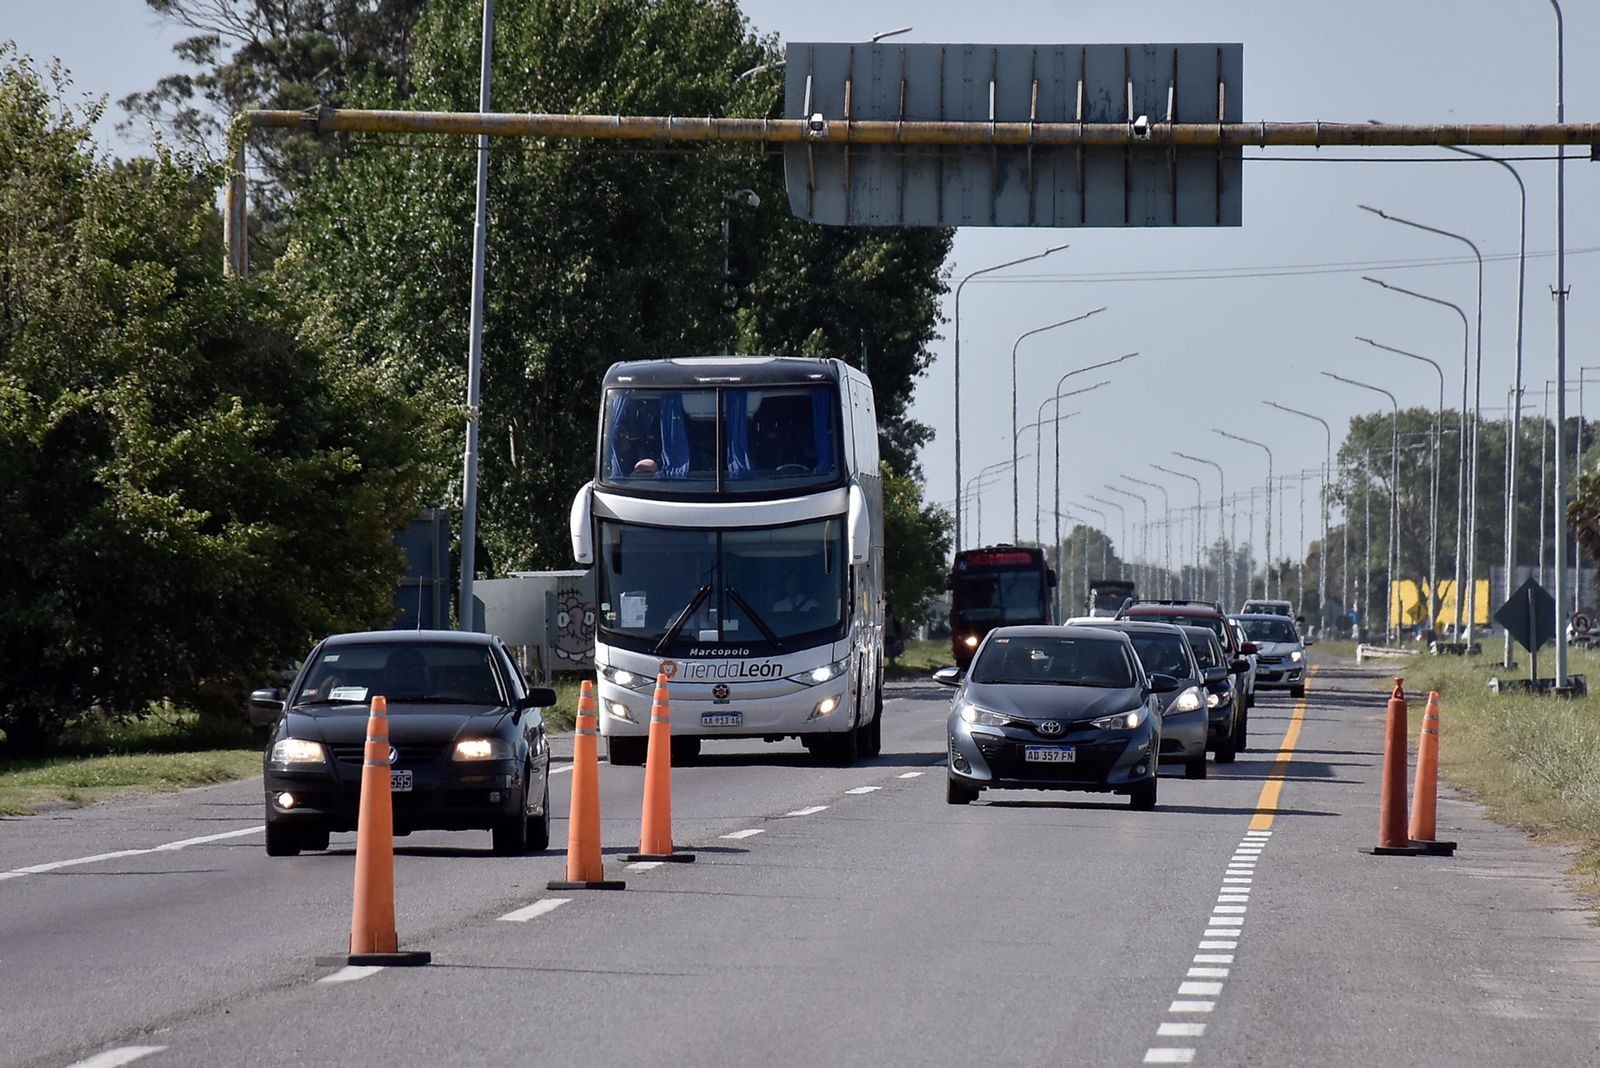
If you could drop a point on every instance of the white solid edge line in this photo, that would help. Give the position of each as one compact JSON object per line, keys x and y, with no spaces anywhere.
{"x":864,"y":790}
{"x":538,"y":908}
{"x":167,"y":847}
{"x":1172,"y":1029}
{"x":811,"y":811}
{"x":1160,"y":1055}
{"x":121,"y":1055}
{"x":351,"y":972}
{"x":910,"y":775}
{"x":562,"y":770}
{"x":1191,"y":1006}
{"x":751,"y":833}
{"x":1203,"y":989}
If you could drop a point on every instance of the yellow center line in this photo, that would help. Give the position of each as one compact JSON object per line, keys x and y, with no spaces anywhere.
{"x":1267,"y":803}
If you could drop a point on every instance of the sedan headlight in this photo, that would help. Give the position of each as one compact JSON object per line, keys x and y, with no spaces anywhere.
{"x":1216,"y":698}
{"x":970,"y":641}
{"x":983,"y":717}
{"x":1297,"y":656}
{"x":297,"y":751}
{"x":825,"y":673}
{"x":1188,"y":701}
{"x":1122,"y":721}
{"x":483,"y":749}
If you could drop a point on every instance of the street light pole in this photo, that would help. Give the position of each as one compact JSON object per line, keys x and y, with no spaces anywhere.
{"x":1477,"y":402}
{"x":1461,"y":443}
{"x":1105,"y":521}
{"x":1038,"y":452}
{"x":1016,"y":532}
{"x":1222,"y":499}
{"x":957,"y":397}
{"x":1060,"y":382}
{"x":1122,"y":551}
{"x":1144,"y":533}
{"x":1394,"y":492}
{"x":1327,"y":464}
{"x":1166,"y":529}
{"x":1265,"y":449}
{"x":1199,"y":524}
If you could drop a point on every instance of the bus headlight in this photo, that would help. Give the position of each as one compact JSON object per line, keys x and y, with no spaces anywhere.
{"x":825,"y":707}
{"x":825,"y":673}
{"x":619,"y":710}
{"x":626,"y":679}
{"x":970,"y":641}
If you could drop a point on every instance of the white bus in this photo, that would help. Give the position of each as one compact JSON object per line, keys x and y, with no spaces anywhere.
{"x":736,"y":525}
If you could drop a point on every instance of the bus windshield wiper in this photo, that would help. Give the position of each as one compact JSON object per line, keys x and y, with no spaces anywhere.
{"x":755,"y":617}
{"x":683,"y":617}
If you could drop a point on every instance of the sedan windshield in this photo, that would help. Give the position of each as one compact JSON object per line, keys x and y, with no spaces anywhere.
{"x":662,"y":588}
{"x":1270,"y":630}
{"x":1163,"y":654}
{"x":1205,"y":650}
{"x":1049,"y":661}
{"x":403,"y":673}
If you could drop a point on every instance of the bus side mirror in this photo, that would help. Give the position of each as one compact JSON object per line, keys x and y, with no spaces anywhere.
{"x":581,"y":528}
{"x":860,"y":527}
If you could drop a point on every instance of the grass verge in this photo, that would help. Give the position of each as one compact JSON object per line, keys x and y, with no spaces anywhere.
{"x":919,"y":659}
{"x":1534,"y":761}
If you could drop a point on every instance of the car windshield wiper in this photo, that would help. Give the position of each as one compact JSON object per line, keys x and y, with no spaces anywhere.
{"x":755,"y":617}
{"x":326,"y":701}
{"x":683,"y":617}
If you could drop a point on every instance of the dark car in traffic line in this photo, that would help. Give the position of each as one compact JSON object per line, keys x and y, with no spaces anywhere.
{"x":1055,"y":708}
{"x":467,"y":744}
{"x":1221,"y":692}
{"x":1209,"y":614}
{"x":1165,"y":649}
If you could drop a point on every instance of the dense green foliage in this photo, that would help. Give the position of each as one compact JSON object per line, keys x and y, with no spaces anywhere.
{"x":197,"y":479}
{"x":917,"y":541}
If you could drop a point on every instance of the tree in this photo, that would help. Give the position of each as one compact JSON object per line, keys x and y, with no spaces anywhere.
{"x":198,"y":478}
{"x":917,"y":538}
{"x":596,"y":253}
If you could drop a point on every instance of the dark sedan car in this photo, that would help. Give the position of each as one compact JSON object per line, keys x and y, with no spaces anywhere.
{"x":1165,"y":649}
{"x":1055,"y":708}
{"x":466,"y":740}
{"x":1221,"y":693}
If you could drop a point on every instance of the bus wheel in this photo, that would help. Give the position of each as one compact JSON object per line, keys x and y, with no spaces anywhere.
{"x":842,"y":749}
{"x":625,"y":751}
{"x":685,"y":750}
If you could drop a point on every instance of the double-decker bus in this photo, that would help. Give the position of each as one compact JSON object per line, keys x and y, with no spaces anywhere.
{"x":996,"y":586}
{"x":735,"y":522}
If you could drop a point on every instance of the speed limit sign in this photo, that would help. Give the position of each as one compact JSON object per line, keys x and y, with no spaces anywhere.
{"x":1580,"y":623}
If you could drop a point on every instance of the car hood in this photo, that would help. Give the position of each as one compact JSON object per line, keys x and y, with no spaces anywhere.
{"x":1052,"y":702}
{"x":408,"y":724}
{"x":1276,"y":648}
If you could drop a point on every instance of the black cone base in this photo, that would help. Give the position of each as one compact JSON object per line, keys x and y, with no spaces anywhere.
{"x":590,"y":884}
{"x":409,"y":959}
{"x":667,"y":858}
{"x":1435,"y":848}
{"x":1394,"y":851}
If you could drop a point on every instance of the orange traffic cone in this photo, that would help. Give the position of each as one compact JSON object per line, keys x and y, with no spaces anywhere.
{"x":1392,"y":837}
{"x":372,"y":935}
{"x":655,"y":833}
{"x":1425,"y":794}
{"x":585,"y":869}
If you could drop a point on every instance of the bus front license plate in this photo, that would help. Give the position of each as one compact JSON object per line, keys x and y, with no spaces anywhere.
{"x":1050,"y":754}
{"x":400,"y":781}
{"x":722,"y":719}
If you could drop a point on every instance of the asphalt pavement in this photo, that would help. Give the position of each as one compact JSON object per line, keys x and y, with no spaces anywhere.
{"x":841,"y":916}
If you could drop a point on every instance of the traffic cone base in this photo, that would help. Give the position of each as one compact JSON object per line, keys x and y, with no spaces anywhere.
{"x":403,"y":959}
{"x":585,"y":869}
{"x":1393,"y":841}
{"x":675,"y":857}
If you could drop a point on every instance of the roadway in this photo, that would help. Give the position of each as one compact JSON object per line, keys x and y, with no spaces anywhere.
{"x":834,"y":916}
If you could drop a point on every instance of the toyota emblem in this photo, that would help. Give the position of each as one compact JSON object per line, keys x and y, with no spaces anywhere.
{"x":1050,"y":728}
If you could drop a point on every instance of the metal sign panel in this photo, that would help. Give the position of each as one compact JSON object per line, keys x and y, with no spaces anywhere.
{"x":1027,"y":185}
{"x":1529,"y":616}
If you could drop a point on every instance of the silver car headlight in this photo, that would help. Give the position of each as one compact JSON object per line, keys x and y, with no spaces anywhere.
{"x":825,"y":673}
{"x":482,"y":749}
{"x":982,"y":716}
{"x":1188,"y":701}
{"x":298,"y":751}
{"x":1297,"y":656}
{"x":1122,"y":721}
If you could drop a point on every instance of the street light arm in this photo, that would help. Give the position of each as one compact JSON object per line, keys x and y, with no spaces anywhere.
{"x":1041,"y":329}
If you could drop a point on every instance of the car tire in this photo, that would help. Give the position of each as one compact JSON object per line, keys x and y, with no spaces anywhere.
{"x":685,"y":750}
{"x":539,"y":826}
{"x":1241,"y":733}
{"x":627,"y":752}
{"x":282,"y":840}
{"x":314,"y":841}
{"x":1143,"y":796}
{"x":509,"y":835}
{"x":1195,"y":767}
{"x":1297,"y":691}
{"x":1226,"y":753}
{"x":956,"y":793}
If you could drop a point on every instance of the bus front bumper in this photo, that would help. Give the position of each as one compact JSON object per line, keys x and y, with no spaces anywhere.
{"x":813,"y":710}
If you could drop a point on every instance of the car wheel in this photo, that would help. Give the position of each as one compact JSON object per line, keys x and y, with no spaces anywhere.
{"x":956,"y":793}
{"x":685,"y":750}
{"x":1225,"y":752}
{"x":1195,"y":767}
{"x":282,"y":840}
{"x":539,"y":826}
{"x":1297,"y":691}
{"x":628,"y":752}
{"x":1143,"y":796}
{"x":1241,"y":733}
{"x":315,"y":841}
{"x":510,"y":834}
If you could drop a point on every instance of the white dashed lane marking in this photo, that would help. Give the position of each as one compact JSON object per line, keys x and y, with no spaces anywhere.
{"x":538,"y":908}
{"x":112,"y":1058}
{"x":645,"y":865}
{"x":910,"y":775}
{"x":1157,"y":1055}
{"x":168,"y":847}
{"x":864,"y":790}
{"x":745,"y":834}
{"x":811,"y":811}
{"x":351,"y":973}
{"x":562,"y":770}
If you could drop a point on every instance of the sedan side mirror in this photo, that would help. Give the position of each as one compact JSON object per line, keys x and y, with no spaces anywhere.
{"x":1216,"y":674}
{"x":1309,"y":642}
{"x":950,"y":676}
{"x":1248,"y":648}
{"x":1239,"y":667}
{"x":1160,"y":683}
{"x":269,"y":699}
{"x":539,"y":697}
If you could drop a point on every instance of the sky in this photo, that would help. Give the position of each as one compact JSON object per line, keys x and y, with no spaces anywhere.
{"x":1222,"y":319}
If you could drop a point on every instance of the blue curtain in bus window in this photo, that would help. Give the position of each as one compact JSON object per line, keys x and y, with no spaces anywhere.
{"x":619,"y":411}
{"x":674,"y":437}
{"x":822,"y":430}
{"x":737,"y":428}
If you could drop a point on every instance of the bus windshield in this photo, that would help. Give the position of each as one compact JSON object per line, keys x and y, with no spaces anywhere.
{"x":664,"y":590}
{"x":1000,"y":597}
{"x":724,"y":439}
